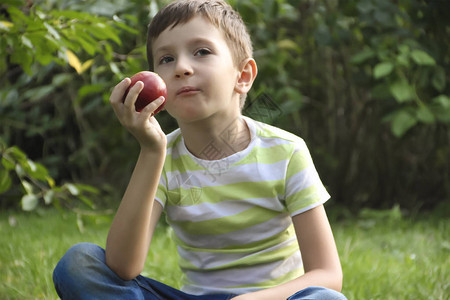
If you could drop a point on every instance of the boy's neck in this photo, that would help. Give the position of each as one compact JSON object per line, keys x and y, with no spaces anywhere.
{"x":216,"y":141}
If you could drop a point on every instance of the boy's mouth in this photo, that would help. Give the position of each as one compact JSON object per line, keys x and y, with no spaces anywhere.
{"x":187,"y":90}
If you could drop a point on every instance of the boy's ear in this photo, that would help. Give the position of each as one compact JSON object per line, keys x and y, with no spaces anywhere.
{"x":247,"y":76}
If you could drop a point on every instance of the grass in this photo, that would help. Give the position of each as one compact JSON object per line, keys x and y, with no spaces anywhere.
{"x":383,"y":256}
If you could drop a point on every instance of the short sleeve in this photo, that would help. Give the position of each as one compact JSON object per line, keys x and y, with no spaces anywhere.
{"x":303,"y":188}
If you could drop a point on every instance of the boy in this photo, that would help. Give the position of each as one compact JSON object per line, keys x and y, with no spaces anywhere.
{"x":240,"y":195}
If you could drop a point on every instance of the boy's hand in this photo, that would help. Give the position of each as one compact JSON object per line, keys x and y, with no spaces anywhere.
{"x":142,"y":125}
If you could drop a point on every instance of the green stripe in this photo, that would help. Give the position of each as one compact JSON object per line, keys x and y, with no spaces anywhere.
{"x":183,"y":164}
{"x":229,"y":192}
{"x":249,"y":217}
{"x":250,"y":247}
{"x":264,"y":156}
{"x":173,"y":143}
{"x":250,"y":259}
{"x":267,"y":156}
{"x":265,"y":243}
{"x":303,"y":198}
{"x":300,"y":160}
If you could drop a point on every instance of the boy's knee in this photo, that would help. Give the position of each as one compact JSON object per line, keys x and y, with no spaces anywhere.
{"x":77,"y":262}
{"x":318,"y":293}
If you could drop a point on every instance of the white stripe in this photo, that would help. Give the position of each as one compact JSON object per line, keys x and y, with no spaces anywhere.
{"x":302,"y":180}
{"x":244,"y":275}
{"x":210,"y":260}
{"x":235,"y":174}
{"x":244,"y":236}
{"x":210,"y":211}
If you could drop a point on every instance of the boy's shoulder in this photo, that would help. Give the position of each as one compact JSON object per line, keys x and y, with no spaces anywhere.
{"x":266,"y":131}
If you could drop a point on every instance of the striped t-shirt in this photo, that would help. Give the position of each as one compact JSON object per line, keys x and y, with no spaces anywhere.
{"x":232,"y":217}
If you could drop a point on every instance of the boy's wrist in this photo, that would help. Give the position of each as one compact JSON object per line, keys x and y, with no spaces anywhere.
{"x":155,"y":150}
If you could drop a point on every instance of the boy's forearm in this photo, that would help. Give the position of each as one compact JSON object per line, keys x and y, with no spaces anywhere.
{"x":131,"y":231}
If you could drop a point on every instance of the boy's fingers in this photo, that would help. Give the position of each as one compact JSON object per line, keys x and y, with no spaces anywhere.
{"x":119,"y":90}
{"x":150,"y":108}
{"x":133,"y":93}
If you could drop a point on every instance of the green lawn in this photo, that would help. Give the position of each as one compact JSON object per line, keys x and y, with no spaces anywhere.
{"x":383,"y":256}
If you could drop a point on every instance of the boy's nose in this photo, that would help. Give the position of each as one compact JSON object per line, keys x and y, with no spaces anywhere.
{"x":181,"y":74}
{"x":182,"y":68}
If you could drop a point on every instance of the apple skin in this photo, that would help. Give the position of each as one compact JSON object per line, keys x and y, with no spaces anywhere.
{"x":154,"y":87}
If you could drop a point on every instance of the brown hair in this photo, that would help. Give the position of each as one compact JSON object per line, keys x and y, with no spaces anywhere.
{"x":218,"y":12}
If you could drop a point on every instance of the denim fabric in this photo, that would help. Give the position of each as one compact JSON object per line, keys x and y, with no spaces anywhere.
{"x":82,"y":273}
{"x":317,"y":293}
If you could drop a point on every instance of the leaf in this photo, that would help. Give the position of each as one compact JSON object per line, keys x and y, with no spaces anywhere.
{"x":125,"y":27}
{"x":73,"y":61}
{"x":107,"y":32}
{"x":86,"y":65}
{"x":402,"y":122}
{"x":287,"y":44}
{"x":76,"y":64}
{"x":61,"y":79}
{"x":73,"y":190}
{"x":18,"y":154}
{"x":86,"y":41}
{"x":7,"y":163}
{"x":402,"y":91}
{"x":50,"y":181}
{"x":36,"y":94}
{"x":382,"y":69}
{"x":32,"y":166}
{"x":52,"y":31}
{"x":29,"y":202}
{"x":24,"y":58}
{"x":439,"y":80}
{"x":425,"y":115}
{"x":5,"y":181}
{"x":48,"y":196}
{"x":422,"y":58}
{"x":115,"y":69}
{"x":362,"y":56}
{"x":39,"y":172}
{"x":19,"y":171}
{"x":89,"y":89}
{"x":441,"y":108}
{"x":86,"y":201}
{"x":5,"y":25}
{"x":442,"y":100}
{"x":27,"y":187}
{"x":87,"y":188}
{"x":26,"y":41}
{"x":80,"y":223}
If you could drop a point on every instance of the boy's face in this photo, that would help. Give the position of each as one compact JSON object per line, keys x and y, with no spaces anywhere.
{"x":197,"y":65}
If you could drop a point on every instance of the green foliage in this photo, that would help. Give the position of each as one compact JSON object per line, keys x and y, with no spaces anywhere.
{"x":366,"y":84}
{"x":58,"y":116}
{"x":29,"y":183}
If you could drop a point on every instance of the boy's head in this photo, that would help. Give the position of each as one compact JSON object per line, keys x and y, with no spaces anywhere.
{"x":218,"y":12}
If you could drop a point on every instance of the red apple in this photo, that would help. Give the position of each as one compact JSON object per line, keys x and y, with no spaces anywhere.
{"x":154,"y":87}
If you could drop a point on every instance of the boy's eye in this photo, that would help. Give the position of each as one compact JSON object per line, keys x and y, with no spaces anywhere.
{"x":202,"y":52}
{"x":165,"y":60}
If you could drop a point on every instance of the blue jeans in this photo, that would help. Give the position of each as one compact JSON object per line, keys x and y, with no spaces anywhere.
{"x":82,"y":273}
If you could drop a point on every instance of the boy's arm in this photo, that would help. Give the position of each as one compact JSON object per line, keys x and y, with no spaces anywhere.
{"x":136,"y":218}
{"x":319,"y":255}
